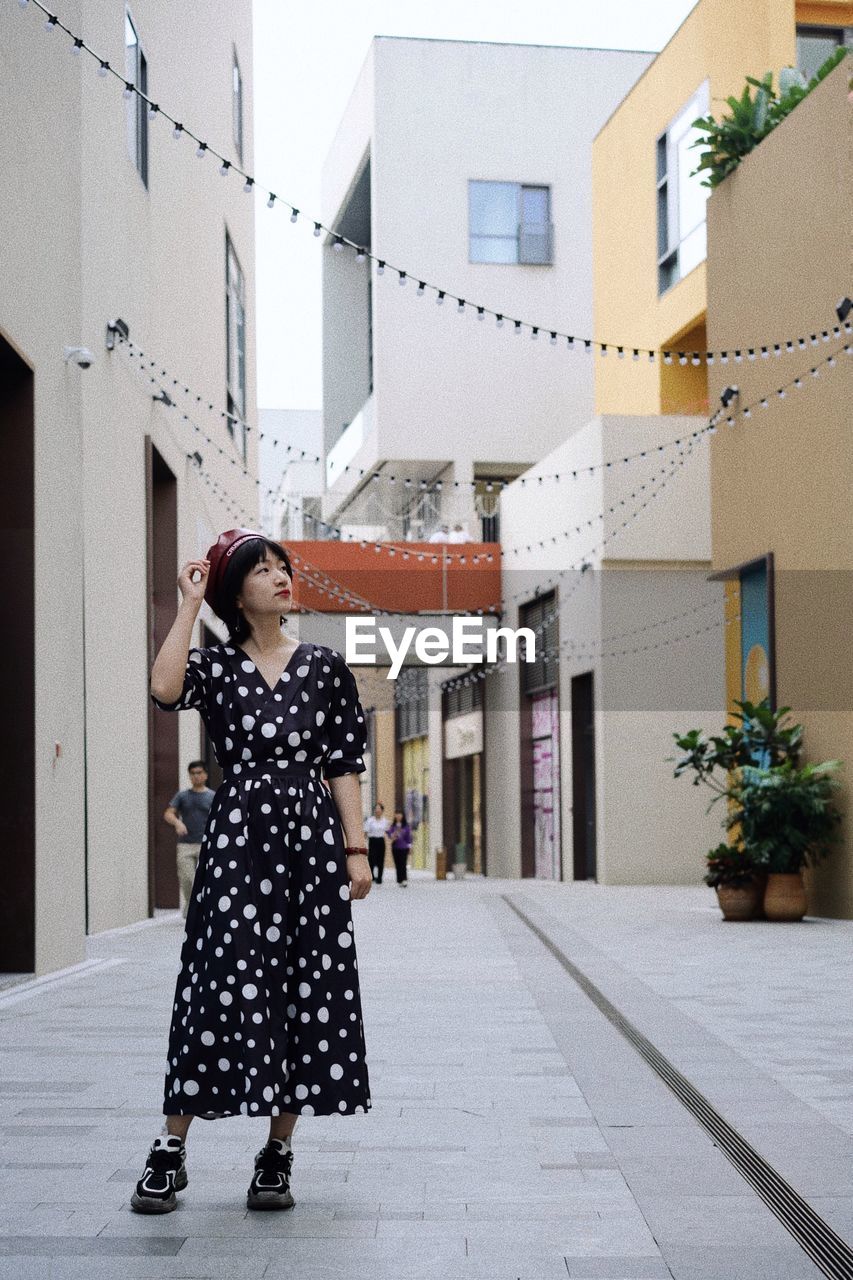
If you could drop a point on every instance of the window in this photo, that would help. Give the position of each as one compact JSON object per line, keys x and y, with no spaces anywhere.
{"x":237,"y":106}
{"x":816,"y":44}
{"x":540,"y":616}
{"x":412,"y":704}
{"x":235,"y":345}
{"x":464,"y":698}
{"x":681,"y":197}
{"x":136,"y":72}
{"x":509,"y":223}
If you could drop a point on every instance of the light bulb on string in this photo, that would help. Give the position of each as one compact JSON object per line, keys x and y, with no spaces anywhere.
{"x":51,"y":22}
{"x":178,"y":130}
{"x":127,"y":91}
{"x":338,"y":245}
{"x":317,"y":228}
{"x":103,"y":69}
{"x":421,"y":289}
{"x":248,"y":186}
{"x":271,"y":200}
{"x":201,"y":150}
{"x":224,"y":167}
{"x":77,"y":46}
{"x":152,"y":110}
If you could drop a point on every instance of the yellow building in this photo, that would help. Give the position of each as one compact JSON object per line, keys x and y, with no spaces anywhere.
{"x":764,"y":258}
{"x":782,"y":478}
{"x":649,"y":225}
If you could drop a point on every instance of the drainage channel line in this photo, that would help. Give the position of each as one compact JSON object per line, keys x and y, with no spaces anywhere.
{"x":815,"y":1236}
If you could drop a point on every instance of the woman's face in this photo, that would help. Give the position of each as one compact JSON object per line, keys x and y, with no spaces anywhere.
{"x":267,"y":587}
{"x":398,"y":816}
{"x":378,"y":811}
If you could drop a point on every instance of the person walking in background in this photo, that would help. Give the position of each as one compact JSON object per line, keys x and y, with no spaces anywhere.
{"x":375,"y":828}
{"x":400,"y":835}
{"x":187,"y":812}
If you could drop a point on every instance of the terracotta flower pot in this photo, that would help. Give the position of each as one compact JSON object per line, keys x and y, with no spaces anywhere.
{"x":739,"y":901}
{"x":785,"y":897}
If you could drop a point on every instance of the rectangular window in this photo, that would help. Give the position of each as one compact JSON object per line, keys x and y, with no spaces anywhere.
{"x":235,"y":345}
{"x":540,"y":616}
{"x":816,"y":44}
{"x":136,"y":72}
{"x":509,"y":222}
{"x":681,"y":198}
{"x":463,"y":698}
{"x":412,"y":704}
{"x":237,"y":106}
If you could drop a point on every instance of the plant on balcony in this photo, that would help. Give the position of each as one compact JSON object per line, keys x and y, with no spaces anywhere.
{"x":752,"y":117}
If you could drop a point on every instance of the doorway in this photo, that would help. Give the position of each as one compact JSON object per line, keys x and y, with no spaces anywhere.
{"x":163,"y":765}
{"x":583,"y":777}
{"x":17,"y":742}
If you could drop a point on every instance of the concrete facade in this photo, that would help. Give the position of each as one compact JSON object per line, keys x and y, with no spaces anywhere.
{"x":791,"y":466}
{"x":442,"y":392}
{"x":85,"y":242}
{"x":631,"y":621}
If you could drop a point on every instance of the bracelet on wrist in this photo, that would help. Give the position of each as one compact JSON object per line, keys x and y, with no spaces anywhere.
{"x":355,"y":848}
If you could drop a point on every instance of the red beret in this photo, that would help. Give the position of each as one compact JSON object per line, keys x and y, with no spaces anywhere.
{"x":219,"y":556}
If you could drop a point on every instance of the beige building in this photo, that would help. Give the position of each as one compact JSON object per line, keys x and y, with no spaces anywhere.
{"x":628,"y":651}
{"x":782,"y":479}
{"x":106,"y":489}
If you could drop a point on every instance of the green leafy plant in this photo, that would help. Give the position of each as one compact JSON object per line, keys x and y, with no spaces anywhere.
{"x":786,"y":816}
{"x":780,"y":813}
{"x":730,"y":865}
{"x":752,"y":116}
{"x":757,"y":735}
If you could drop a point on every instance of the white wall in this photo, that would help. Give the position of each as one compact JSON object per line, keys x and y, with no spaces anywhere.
{"x":650,"y":827}
{"x":84,"y":243}
{"x":448,"y":387}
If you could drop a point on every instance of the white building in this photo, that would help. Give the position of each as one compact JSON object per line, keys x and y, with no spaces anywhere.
{"x":468,"y":166}
{"x":290,"y":467}
{"x":628,"y":652}
{"x":106,"y":489}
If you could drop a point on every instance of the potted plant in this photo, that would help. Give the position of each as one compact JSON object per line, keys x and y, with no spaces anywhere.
{"x":787,"y":818}
{"x":752,"y":117}
{"x":739,"y":882}
{"x":755,"y":735}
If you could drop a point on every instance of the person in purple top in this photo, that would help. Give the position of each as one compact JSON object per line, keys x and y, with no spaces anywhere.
{"x":400,"y":835}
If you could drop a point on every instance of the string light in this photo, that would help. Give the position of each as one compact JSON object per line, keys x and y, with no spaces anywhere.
{"x":104,"y":68}
{"x":523,"y":480}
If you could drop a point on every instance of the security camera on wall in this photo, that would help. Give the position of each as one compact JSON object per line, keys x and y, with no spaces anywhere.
{"x":81,"y":356}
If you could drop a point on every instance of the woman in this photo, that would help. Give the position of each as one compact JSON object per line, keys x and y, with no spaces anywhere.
{"x":375,"y":828}
{"x":400,"y":835}
{"x":267,"y":1013}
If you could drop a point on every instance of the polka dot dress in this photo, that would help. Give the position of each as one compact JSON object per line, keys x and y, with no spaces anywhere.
{"x":267,"y":1015}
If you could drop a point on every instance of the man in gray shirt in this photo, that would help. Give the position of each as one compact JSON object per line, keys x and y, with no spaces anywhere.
{"x":188,"y":812}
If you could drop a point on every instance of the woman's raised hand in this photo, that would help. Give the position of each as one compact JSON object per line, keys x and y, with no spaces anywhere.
{"x":192,"y":589}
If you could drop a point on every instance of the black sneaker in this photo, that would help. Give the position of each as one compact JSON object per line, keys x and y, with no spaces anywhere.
{"x":270,"y":1186}
{"x":165,"y":1173}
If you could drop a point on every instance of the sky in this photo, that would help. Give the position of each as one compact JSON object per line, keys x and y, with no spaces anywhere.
{"x":307,"y":57}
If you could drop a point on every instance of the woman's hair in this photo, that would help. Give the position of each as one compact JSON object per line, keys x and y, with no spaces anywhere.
{"x":379,"y":805}
{"x":244,"y":559}
{"x":402,"y":813}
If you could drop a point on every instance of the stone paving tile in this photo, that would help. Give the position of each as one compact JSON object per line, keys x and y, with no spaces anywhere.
{"x":513,"y":1133}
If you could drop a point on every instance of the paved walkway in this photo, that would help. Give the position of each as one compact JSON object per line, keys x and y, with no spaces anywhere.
{"x":514,"y":1132}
